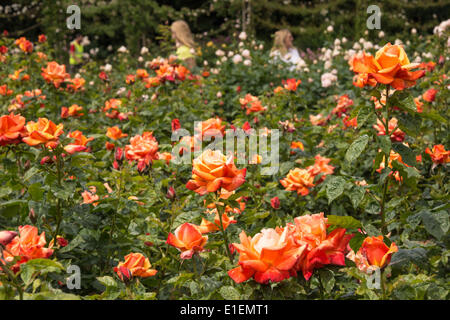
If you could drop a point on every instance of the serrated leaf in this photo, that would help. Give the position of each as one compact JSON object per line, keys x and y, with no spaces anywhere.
{"x":356,"y":241}
{"x":335,"y":187}
{"x":403,"y":257}
{"x":345,"y":222}
{"x":355,"y":149}
{"x":229,"y":293}
{"x":408,"y":156}
{"x":107,"y":281}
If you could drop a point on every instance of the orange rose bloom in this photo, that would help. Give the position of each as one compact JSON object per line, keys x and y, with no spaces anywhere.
{"x":166,"y":156}
{"x":321,"y":249}
{"x":321,"y":166}
{"x":208,"y":226}
{"x":142,"y":149}
{"x":28,"y":246}
{"x":389,"y":66}
{"x":377,"y":252}
{"x":43,"y":131}
{"x":343,"y":104}
{"x":396,"y":136}
{"x":212,"y":171}
{"x":90,"y":196}
{"x":188,"y":239}
{"x":72,"y":111}
{"x":12,"y":129}
{"x":298,"y":180}
{"x":318,"y":120}
{"x":115,"y":133}
{"x":268,"y":256}
{"x":429,"y":95}
{"x":255,"y":106}
{"x":210,"y":127}
{"x":55,"y":73}
{"x":137,"y":265}
{"x":24,"y":44}
{"x":438,"y":155}
{"x":142,"y":73}
{"x":291,"y":84}
{"x":297,"y":145}
{"x":79,"y":144}
{"x":77,"y":84}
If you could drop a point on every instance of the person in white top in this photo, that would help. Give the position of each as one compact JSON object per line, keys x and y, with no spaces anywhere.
{"x":284,"y":49}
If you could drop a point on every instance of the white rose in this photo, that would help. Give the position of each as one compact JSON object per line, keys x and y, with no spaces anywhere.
{"x":247,"y":62}
{"x":243,"y":36}
{"x":246,"y":53}
{"x":237,"y":58}
{"x":144,"y":50}
{"x":381,"y":34}
{"x":330,"y":28}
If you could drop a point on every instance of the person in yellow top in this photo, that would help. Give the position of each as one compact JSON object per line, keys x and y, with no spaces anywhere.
{"x":76,"y":53}
{"x":184,"y":42}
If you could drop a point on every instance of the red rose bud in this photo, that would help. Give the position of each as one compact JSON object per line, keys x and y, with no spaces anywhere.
{"x":148,"y":243}
{"x":128,"y":94}
{"x":125,"y":274}
{"x":109,"y":146}
{"x":429,"y":95}
{"x":118,"y":154}
{"x":116,"y":165}
{"x":6,"y":237}
{"x":246,"y":126}
{"x":32,"y":216}
{"x":175,"y":124}
{"x":61,"y":241}
{"x":275,"y":202}
{"x":45,"y":160}
{"x":171,"y":193}
{"x":441,"y":60}
{"x":238,"y":89}
{"x":231,"y":247}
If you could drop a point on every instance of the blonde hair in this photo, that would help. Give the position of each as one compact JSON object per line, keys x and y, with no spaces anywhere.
{"x":279,"y":41}
{"x":183,"y":33}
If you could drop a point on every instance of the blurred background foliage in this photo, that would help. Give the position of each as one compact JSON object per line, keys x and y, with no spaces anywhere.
{"x":110,"y":24}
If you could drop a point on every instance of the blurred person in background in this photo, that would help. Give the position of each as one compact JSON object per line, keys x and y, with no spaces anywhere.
{"x":184,"y":42}
{"x":76,"y":54}
{"x":283,"y":48}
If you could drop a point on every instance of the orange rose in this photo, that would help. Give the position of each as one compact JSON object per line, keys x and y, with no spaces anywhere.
{"x":377,"y":252}
{"x":321,"y":249}
{"x":142,"y":149}
{"x":210,"y":127}
{"x":79,"y":144}
{"x":166,"y":156}
{"x":321,"y":166}
{"x":90,"y":196}
{"x":343,"y":104}
{"x":43,"y":131}
{"x":24,"y":45}
{"x":12,"y":129}
{"x":291,"y":84}
{"x":137,"y":265}
{"x":299,"y":180}
{"x":317,"y":120}
{"x":72,"y":111}
{"x":389,"y":66}
{"x":115,"y":133}
{"x":77,"y":84}
{"x":28,"y":246}
{"x":4,"y":91}
{"x":297,"y":145}
{"x":55,"y":73}
{"x":268,"y":256}
{"x":429,"y":95}
{"x":208,"y":226}
{"x":396,"y":136}
{"x":212,"y":171}
{"x":188,"y":239}
{"x":255,"y":106}
{"x":438,"y":155}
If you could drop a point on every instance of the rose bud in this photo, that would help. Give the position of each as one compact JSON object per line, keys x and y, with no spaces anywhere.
{"x":109,"y":146}
{"x":175,"y":124}
{"x":275,"y":202}
{"x":124,"y":274}
{"x":61,"y":241}
{"x":6,"y":237}
{"x":441,"y":60}
{"x":118,"y":154}
{"x":116,"y":165}
{"x":171,"y":193}
{"x":32,"y":216}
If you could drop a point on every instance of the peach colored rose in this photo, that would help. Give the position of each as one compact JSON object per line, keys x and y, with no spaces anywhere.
{"x":299,"y":180}
{"x":43,"y":132}
{"x":188,"y":239}
{"x":12,"y":129}
{"x":137,"y":265}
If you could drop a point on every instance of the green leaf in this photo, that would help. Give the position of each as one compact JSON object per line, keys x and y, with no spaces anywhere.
{"x":36,"y":191}
{"x":403,"y":257}
{"x":107,"y":281}
{"x":356,"y":242}
{"x":410,"y":123}
{"x":404,"y":101}
{"x":385,"y":144}
{"x":355,"y":149}
{"x":356,"y":195}
{"x":432,"y":224}
{"x":327,"y":279}
{"x":31,"y":172}
{"x":45,"y":265}
{"x":345,"y":222}
{"x":335,"y":187}
{"x":408,"y":156}
{"x":229,"y":293}
{"x":364,"y":114}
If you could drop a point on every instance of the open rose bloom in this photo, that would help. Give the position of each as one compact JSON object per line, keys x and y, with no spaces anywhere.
{"x":12,"y":129}
{"x":389,"y":66}
{"x":299,"y":180}
{"x":213,"y":171}
{"x":28,"y":245}
{"x":143,"y":149}
{"x":439,"y":155}
{"x":277,"y":254}
{"x":135,"y":265}
{"x":43,"y":132}
{"x":79,"y":144}
{"x":55,"y":73}
{"x":187,"y":238}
